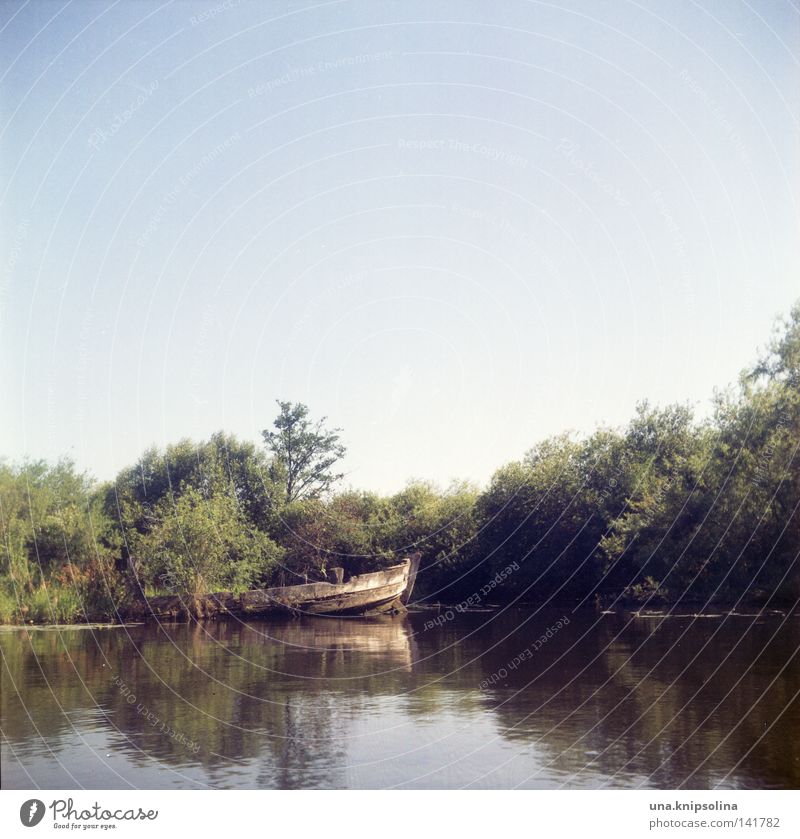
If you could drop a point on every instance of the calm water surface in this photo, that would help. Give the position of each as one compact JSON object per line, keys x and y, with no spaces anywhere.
{"x":606,"y":701}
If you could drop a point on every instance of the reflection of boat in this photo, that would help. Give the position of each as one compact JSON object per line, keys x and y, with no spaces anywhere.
{"x":374,"y":593}
{"x":387,"y":589}
{"x":337,"y":647}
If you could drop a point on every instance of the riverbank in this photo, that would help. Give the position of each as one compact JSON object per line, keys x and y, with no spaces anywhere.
{"x":668,"y":513}
{"x":61,"y":627}
{"x":171,"y":609}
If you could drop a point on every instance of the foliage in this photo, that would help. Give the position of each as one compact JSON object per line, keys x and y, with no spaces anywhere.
{"x":203,"y":544}
{"x":304,"y":452}
{"x":223,"y":461}
{"x":665,"y":510}
{"x":350,"y":532}
{"x":441,"y":527}
{"x":53,"y":525}
{"x":540,"y":513}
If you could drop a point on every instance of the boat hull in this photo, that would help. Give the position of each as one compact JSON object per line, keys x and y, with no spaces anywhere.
{"x":359,"y":595}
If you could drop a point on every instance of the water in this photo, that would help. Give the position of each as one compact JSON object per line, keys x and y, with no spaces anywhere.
{"x":443,"y":701}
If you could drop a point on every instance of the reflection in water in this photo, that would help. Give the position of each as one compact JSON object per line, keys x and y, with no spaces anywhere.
{"x":342,"y":703}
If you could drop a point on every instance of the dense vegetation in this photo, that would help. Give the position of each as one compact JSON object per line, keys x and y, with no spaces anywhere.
{"x":664,"y":511}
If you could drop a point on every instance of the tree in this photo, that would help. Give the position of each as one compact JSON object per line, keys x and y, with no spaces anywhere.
{"x":542,"y":514}
{"x":304,"y":452}
{"x":203,"y":543}
{"x":223,"y":463}
{"x":441,"y":528}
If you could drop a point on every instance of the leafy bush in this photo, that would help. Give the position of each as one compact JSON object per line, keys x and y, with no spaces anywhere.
{"x":203,"y":544}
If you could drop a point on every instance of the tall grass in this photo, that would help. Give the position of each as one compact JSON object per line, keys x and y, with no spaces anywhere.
{"x":44,"y":604}
{"x":55,"y":604}
{"x":8,"y":607}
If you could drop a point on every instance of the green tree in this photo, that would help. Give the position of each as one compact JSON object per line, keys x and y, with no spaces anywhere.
{"x":304,"y":452}
{"x":353,"y":531}
{"x":57,"y":546}
{"x":203,"y":543}
{"x":542,"y":514}
{"x":441,"y":527}
{"x":221,"y":464}
{"x":651,"y":540}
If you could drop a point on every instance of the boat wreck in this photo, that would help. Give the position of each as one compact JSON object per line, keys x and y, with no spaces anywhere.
{"x":379,"y":592}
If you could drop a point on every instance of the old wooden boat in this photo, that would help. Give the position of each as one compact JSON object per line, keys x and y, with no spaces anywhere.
{"x":377,"y":592}
{"x":362,"y":593}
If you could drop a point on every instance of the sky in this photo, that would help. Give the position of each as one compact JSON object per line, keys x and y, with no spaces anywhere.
{"x":453,"y":228}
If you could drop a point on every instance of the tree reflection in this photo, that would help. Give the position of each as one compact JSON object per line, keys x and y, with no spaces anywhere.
{"x":605,"y":701}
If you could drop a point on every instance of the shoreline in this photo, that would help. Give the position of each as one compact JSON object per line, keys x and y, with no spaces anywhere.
{"x":419,"y":608}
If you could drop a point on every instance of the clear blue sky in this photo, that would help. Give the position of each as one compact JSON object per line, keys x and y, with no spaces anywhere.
{"x":453,"y":227}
